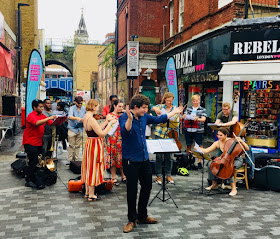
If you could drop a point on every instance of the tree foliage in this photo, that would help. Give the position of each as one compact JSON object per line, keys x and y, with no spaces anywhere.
{"x":66,"y":54}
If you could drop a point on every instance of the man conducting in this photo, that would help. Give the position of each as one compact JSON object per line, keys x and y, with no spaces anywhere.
{"x":136,"y":162}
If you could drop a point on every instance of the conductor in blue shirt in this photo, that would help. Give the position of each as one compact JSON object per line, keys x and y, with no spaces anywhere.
{"x":135,"y":156}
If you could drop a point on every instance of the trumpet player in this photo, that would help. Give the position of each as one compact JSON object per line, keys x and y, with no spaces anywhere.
{"x":47,"y":138}
{"x":33,"y":140}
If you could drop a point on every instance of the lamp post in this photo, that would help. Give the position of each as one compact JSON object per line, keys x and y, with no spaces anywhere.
{"x":19,"y":46}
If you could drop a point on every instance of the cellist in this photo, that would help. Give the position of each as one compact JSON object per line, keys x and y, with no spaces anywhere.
{"x":222,"y":135}
{"x":223,"y":116}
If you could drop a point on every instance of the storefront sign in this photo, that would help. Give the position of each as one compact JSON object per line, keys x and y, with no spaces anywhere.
{"x":2,"y":28}
{"x":35,"y":71}
{"x":256,"y":45}
{"x":191,"y":78}
{"x":132,"y":58}
{"x":171,"y":79}
{"x":256,"y":85}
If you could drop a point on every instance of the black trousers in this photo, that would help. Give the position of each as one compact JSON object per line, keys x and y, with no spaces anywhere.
{"x":32,"y":155}
{"x":135,"y":171}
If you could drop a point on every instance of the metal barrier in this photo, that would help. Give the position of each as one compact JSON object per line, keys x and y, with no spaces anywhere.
{"x":6,"y":123}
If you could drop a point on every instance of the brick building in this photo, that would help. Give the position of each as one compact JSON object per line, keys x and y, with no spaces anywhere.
{"x":29,"y":36}
{"x":213,"y":44}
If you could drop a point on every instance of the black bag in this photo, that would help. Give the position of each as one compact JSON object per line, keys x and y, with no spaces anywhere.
{"x":20,"y":167}
{"x":75,"y":166}
{"x":45,"y":177}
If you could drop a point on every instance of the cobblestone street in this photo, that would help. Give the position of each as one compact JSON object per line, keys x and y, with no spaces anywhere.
{"x":56,"y":213}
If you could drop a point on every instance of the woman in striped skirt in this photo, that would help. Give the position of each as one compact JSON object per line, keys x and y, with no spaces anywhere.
{"x":93,"y":165}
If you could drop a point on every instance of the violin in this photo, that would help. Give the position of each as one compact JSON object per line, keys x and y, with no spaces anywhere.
{"x":174,"y":134}
{"x":223,"y":166}
{"x":99,"y":116}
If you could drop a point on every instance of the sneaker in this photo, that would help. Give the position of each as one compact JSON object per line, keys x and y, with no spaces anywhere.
{"x":199,"y":166}
{"x":169,"y":179}
{"x":158,"y":180}
{"x":128,"y":227}
{"x":30,"y":184}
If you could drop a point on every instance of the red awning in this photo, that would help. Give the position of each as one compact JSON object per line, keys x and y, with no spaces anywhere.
{"x":6,"y":66}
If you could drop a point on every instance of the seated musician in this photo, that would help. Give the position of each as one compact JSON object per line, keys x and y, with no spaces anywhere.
{"x":223,"y":137}
{"x":161,"y":131}
{"x":223,"y":116}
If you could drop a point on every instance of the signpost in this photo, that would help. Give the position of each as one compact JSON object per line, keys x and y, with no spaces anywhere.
{"x":133,"y":58}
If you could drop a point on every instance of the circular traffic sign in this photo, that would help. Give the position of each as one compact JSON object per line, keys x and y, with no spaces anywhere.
{"x":133,"y":51}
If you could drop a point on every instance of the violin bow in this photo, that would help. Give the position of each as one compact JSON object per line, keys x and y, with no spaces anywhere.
{"x":243,"y":149}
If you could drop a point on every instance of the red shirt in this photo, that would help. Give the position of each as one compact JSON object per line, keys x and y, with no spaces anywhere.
{"x":32,"y":134}
{"x":106,"y":110}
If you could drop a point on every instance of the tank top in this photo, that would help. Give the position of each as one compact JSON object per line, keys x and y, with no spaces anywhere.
{"x":90,"y":133}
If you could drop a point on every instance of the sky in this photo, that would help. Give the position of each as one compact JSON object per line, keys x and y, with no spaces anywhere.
{"x":60,"y":18}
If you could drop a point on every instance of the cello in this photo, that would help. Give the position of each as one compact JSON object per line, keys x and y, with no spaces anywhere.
{"x":223,"y":166}
{"x":237,"y":127}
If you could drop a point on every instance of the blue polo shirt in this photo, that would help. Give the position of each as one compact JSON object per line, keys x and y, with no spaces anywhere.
{"x":134,"y":145}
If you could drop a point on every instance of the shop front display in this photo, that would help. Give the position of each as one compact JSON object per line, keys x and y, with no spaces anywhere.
{"x":262,"y":107}
{"x":255,"y":67}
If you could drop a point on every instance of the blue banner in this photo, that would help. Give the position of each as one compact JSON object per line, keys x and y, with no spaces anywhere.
{"x":35,"y":71}
{"x":171,"y":79}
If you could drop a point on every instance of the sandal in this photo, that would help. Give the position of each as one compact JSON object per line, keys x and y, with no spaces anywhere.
{"x":115,"y":182}
{"x":86,"y":196}
{"x":94,"y":199}
{"x":124,"y":179}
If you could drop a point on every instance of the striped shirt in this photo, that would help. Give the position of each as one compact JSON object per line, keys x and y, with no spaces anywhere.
{"x":199,"y":113}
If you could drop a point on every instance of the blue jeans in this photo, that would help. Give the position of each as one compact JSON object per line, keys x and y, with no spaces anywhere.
{"x":159,"y":162}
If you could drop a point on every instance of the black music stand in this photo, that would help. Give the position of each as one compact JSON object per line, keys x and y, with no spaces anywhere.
{"x":155,"y":146}
{"x":201,"y":190}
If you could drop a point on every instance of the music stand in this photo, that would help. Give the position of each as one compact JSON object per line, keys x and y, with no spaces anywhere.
{"x":162,"y":146}
{"x":203,"y":157}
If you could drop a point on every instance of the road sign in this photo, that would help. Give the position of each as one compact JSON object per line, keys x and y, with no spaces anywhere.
{"x":132,"y":58}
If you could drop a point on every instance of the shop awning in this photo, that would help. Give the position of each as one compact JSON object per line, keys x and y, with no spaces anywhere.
{"x":6,"y":66}
{"x":250,"y":71}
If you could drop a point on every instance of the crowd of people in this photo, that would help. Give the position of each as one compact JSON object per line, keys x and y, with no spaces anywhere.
{"x":119,"y":142}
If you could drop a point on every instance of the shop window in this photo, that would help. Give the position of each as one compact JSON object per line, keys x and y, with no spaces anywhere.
{"x":261,"y":102}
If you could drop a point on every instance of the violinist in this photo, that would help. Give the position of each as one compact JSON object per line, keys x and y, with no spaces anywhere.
{"x":161,"y":131}
{"x":222,"y":135}
{"x":106,"y":109}
{"x":114,"y":145}
{"x":223,"y":117}
{"x":194,"y":118}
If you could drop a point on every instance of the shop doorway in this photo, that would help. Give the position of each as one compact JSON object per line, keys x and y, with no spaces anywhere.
{"x":148,"y":89}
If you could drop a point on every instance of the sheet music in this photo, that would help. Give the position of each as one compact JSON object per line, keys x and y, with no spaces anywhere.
{"x":164,"y":112}
{"x":197,"y":149}
{"x":212,"y":124}
{"x":168,"y":145}
{"x":153,"y":145}
{"x":189,"y":117}
{"x":161,"y":146}
{"x":114,"y":128}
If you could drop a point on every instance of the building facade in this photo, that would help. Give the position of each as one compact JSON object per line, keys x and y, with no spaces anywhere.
{"x":85,"y":61}
{"x":202,"y":36}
